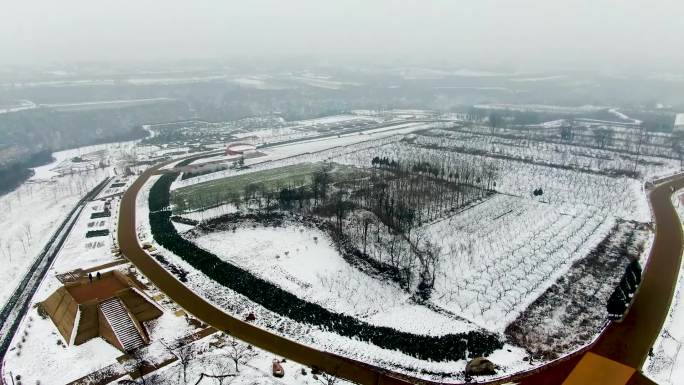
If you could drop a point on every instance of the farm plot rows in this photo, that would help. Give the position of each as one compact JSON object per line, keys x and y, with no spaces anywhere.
{"x":500,"y":255}
{"x":620,"y":197}
{"x":552,"y":154}
{"x":618,"y":139}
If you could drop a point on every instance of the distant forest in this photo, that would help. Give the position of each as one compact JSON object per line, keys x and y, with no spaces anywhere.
{"x":28,"y":137}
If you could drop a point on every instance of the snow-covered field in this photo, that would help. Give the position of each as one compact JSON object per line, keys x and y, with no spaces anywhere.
{"x":304,"y":261}
{"x":500,"y":255}
{"x":509,"y":358}
{"x":315,"y":149}
{"x":497,"y":255}
{"x":38,"y":352}
{"x":553,"y":154}
{"x":30,"y":214}
{"x":621,"y":197}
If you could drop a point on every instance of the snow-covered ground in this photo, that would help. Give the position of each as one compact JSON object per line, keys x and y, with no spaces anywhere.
{"x":213,"y":212}
{"x":120,"y":103}
{"x":30,"y":214}
{"x":510,"y":358}
{"x":19,"y":106}
{"x":29,"y":217}
{"x":316,"y":149}
{"x":620,"y":197}
{"x":499,"y":256}
{"x":38,"y":352}
{"x":304,"y":261}
{"x":553,"y":154}
{"x":666,"y":365}
{"x":213,"y":356}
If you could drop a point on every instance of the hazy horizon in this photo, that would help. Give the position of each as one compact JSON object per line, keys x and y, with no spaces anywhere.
{"x":521,"y":36}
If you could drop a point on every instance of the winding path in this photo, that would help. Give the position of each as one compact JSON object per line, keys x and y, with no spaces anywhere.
{"x":626,"y":343}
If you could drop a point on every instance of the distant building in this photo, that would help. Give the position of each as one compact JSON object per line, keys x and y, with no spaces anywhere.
{"x":679,"y":122}
{"x":239,"y":148}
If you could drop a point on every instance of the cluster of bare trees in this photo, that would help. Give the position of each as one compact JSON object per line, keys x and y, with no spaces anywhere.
{"x":23,"y":239}
{"x":219,"y":369}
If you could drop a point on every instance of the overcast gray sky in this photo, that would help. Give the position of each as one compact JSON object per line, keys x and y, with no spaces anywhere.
{"x":586,"y":33}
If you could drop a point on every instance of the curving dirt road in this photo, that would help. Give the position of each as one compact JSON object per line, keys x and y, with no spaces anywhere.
{"x":627,"y":342}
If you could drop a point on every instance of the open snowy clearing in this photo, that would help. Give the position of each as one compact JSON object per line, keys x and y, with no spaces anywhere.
{"x":304,"y":261}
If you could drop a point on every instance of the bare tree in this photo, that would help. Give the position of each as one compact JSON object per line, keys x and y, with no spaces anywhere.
{"x":184,"y":353}
{"x":603,"y":137}
{"x":27,"y":231}
{"x":239,"y":353}
{"x":327,"y":378}
{"x":23,"y":242}
{"x":137,"y":365}
{"x":8,"y":250}
{"x":221,"y":370}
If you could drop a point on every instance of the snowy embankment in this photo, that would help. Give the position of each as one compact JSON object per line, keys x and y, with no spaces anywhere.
{"x":19,"y":106}
{"x":666,"y":365}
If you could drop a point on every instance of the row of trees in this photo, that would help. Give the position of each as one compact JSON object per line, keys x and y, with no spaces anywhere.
{"x":621,"y":298}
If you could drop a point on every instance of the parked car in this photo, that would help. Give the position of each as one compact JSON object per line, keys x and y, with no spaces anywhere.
{"x":278,"y":370}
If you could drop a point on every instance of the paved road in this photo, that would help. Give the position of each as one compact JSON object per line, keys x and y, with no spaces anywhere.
{"x":627,"y":342}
